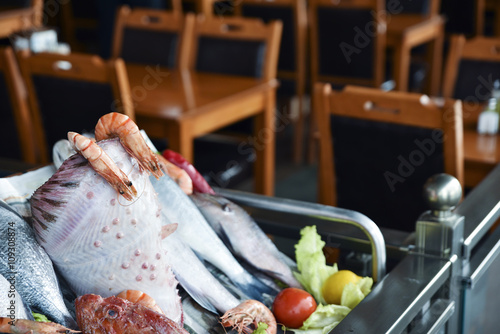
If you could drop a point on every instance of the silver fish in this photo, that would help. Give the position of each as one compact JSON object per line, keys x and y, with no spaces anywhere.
{"x":11,"y":303}
{"x":194,"y":277}
{"x":26,"y":264}
{"x":197,"y":233}
{"x":244,"y":237}
{"x":100,"y":242}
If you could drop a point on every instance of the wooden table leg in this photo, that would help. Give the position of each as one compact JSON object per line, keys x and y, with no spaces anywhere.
{"x":264,"y":139}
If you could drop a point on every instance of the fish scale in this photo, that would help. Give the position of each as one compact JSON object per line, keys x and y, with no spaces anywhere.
{"x":35,"y":278}
{"x":100,"y":242}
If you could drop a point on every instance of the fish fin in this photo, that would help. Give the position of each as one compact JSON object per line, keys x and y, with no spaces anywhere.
{"x":197,"y":296}
{"x":168,"y":229}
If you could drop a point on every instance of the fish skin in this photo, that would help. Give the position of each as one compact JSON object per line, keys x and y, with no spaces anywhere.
{"x":11,"y":301}
{"x":97,"y":315}
{"x":195,"y":231}
{"x":34,"y":275}
{"x":100,"y":242}
{"x":194,"y":277}
{"x":243,"y":236}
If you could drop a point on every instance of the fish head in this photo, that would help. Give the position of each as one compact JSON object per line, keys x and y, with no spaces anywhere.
{"x":113,"y":314}
{"x":98,"y":315}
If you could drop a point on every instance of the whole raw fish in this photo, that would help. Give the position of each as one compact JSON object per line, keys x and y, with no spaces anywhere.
{"x":244,"y":237}
{"x":25,"y":263}
{"x":197,"y":233}
{"x":96,"y":315}
{"x":11,"y":302}
{"x":100,"y":242}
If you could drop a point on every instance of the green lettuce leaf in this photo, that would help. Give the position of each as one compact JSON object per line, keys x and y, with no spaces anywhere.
{"x":311,"y":263}
{"x":323,"y":320}
{"x":354,"y":293}
{"x":261,"y":328}
{"x":40,"y":317}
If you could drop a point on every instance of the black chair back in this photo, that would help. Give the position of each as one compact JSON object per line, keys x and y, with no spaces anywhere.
{"x":391,"y":165}
{"x":230,"y":56}
{"x":475,"y":80}
{"x":150,"y":47}
{"x":71,"y":109}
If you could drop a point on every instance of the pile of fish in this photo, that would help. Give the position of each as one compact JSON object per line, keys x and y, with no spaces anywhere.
{"x":161,"y":241}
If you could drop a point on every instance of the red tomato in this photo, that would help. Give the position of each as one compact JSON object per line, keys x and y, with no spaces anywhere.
{"x":293,"y":306}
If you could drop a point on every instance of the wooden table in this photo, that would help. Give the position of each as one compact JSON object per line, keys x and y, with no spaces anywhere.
{"x":182,"y":106}
{"x":481,"y":155}
{"x":404,"y":32}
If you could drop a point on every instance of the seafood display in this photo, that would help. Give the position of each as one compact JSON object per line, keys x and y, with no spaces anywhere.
{"x":118,"y":224}
{"x":24,"y":263}
{"x":99,"y":315}
{"x":23,"y":326}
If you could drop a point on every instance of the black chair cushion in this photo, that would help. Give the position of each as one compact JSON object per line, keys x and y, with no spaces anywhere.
{"x":9,"y":137}
{"x":230,"y":56}
{"x":345,"y":40}
{"x":390,"y":164}
{"x":150,"y":47}
{"x":475,"y":80}
{"x":71,"y":105}
{"x":286,"y":60}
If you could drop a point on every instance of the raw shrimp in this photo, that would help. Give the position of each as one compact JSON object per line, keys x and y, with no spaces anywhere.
{"x":249,"y":312}
{"x":23,"y":326}
{"x":121,"y":126}
{"x":139,"y":297}
{"x":103,"y":165}
{"x":179,"y":175}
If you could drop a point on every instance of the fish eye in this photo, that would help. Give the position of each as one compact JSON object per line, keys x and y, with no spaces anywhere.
{"x":112,"y":312}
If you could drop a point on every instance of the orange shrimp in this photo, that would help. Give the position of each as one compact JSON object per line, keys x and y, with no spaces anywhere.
{"x":23,"y":326}
{"x":120,"y":125}
{"x":139,"y":297}
{"x":103,"y":165}
{"x":179,"y":175}
{"x":250,"y":312}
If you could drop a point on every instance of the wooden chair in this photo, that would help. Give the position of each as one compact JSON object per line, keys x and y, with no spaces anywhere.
{"x":15,"y":19}
{"x":150,"y":36}
{"x":236,"y":46}
{"x":411,"y":24}
{"x":70,"y":93}
{"x":292,"y":56}
{"x":17,"y":133}
{"x":378,"y":148}
{"x":472,"y":66}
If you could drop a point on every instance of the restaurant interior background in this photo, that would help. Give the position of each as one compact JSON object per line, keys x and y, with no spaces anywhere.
{"x":87,"y":26}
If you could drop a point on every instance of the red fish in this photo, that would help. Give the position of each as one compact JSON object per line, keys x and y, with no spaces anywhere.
{"x":97,"y":315}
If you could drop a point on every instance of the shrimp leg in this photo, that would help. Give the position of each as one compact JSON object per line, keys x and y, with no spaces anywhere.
{"x":103,"y":165}
{"x":22,"y":326}
{"x":120,"y":125}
